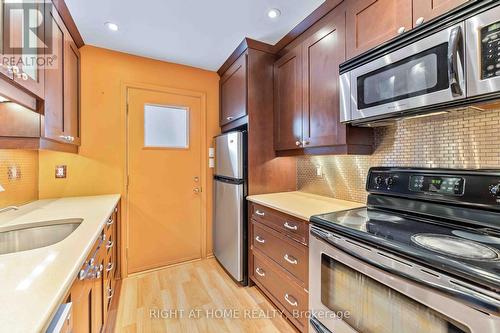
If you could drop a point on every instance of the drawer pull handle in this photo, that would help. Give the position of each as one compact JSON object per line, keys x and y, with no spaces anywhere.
{"x":110,"y":222}
{"x":291,"y":259}
{"x":290,"y":227}
{"x":111,"y":293}
{"x":260,"y":271}
{"x":110,"y":244}
{"x":260,"y":213}
{"x":292,"y":301}
{"x":110,"y":266}
{"x":260,"y":240}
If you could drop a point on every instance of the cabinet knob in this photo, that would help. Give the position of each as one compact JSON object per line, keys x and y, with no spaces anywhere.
{"x":15,"y":69}
{"x":401,"y":30}
{"x":229,"y":118}
{"x":298,"y":143}
{"x":305,"y":143}
{"x":419,"y":21}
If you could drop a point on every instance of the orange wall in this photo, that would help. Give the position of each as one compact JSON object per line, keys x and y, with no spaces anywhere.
{"x":23,"y":186}
{"x":99,"y":168}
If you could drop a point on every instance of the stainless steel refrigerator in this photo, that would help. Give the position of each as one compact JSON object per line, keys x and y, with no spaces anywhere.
{"x":229,"y":225}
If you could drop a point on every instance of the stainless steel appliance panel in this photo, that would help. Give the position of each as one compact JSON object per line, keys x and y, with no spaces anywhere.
{"x":229,"y":155}
{"x":228,"y":227}
{"x":440,"y":312}
{"x":411,"y":75}
{"x":478,"y":41}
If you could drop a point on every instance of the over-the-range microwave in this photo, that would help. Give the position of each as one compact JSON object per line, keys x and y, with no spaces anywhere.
{"x":455,"y":64}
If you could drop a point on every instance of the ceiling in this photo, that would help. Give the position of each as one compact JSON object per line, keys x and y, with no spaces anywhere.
{"x":197,"y":33}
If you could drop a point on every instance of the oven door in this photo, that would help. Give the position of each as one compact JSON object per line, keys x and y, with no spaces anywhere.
{"x":429,"y":71}
{"x":348,"y":295}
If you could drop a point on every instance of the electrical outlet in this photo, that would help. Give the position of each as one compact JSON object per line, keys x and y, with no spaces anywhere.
{"x":319,"y":171}
{"x":61,"y":171}
{"x":14,"y":172}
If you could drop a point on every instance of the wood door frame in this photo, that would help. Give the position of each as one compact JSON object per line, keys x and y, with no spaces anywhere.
{"x":202,"y":96}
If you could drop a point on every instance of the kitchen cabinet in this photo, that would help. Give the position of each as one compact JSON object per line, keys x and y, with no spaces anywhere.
{"x":426,"y":10}
{"x":279,"y":262}
{"x":253,"y":62}
{"x":233,"y":91}
{"x":372,"y":22}
{"x":28,"y":74}
{"x":288,"y":100}
{"x":93,"y":290}
{"x":307,"y":105}
{"x":62,"y":99}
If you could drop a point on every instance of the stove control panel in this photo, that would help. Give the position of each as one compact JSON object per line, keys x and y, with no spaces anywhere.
{"x":471,"y":187}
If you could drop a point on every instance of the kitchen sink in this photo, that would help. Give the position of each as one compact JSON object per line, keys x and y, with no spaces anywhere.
{"x":36,"y":235}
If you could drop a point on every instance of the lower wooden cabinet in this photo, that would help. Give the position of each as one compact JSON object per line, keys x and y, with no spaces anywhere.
{"x":93,"y":290}
{"x":279,"y":261}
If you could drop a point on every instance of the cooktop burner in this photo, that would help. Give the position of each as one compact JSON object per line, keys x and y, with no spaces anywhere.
{"x":456,"y":247}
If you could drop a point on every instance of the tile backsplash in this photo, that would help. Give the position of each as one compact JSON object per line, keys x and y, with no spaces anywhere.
{"x":18,"y":176}
{"x":464,"y":139}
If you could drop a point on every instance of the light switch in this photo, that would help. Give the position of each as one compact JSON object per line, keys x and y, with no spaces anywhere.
{"x":61,"y":171}
{"x":2,"y":189}
{"x":211,"y":163}
{"x":319,"y":171}
{"x":211,"y":152}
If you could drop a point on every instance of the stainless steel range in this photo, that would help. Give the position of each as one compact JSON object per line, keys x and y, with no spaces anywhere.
{"x":424,"y":256}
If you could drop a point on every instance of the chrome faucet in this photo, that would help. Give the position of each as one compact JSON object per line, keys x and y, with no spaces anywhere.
{"x":6,"y":209}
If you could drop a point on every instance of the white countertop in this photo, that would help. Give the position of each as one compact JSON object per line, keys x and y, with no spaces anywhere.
{"x":33,"y":283}
{"x":302,"y":205}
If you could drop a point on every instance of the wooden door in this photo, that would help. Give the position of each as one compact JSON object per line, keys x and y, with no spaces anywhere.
{"x":71,"y":89}
{"x":288,"y":101}
{"x":426,"y":10}
{"x":373,"y":22}
{"x":323,"y":52}
{"x":54,"y":81}
{"x":233,"y":93}
{"x":164,"y":193}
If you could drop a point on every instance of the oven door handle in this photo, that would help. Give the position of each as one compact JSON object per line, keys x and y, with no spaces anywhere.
{"x":455,"y":47}
{"x":318,"y":326}
{"x":473,"y":296}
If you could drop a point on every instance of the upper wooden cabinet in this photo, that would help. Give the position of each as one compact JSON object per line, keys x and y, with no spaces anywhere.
{"x":372,"y":22}
{"x":288,"y":100}
{"x":62,"y":96}
{"x":233,"y":91}
{"x":323,"y":52}
{"x":307,"y":106}
{"x":426,"y":10}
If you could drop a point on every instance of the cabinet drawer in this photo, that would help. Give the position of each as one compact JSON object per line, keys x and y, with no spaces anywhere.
{"x":288,"y":225}
{"x":290,"y":295}
{"x":292,"y":256}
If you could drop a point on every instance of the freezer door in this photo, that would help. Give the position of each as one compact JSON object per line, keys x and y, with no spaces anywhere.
{"x":229,"y":155}
{"x":228,"y":227}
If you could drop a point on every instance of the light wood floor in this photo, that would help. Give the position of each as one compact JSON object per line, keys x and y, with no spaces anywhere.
{"x":203,"y":290}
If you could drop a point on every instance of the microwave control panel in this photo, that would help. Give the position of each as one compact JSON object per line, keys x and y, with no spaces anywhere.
{"x":490,"y":51}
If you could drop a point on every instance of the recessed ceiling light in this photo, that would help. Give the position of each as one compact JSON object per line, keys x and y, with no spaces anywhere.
{"x":111,"y":26}
{"x":273,"y":13}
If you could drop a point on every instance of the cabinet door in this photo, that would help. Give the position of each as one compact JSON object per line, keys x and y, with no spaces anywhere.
{"x":426,"y":10}
{"x":373,"y":22}
{"x":71,"y":90}
{"x":288,"y":101}
{"x":29,"y":74}
{"x":81,"y":297}
{"x":323,"y":52}
{"x":234,"y":91}
{"x":54,"y":81}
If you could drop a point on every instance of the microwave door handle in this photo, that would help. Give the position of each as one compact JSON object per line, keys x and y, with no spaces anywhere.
{"x":455,"y":47}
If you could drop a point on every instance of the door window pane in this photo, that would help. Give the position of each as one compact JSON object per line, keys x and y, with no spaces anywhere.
{"x":166,"y":126}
